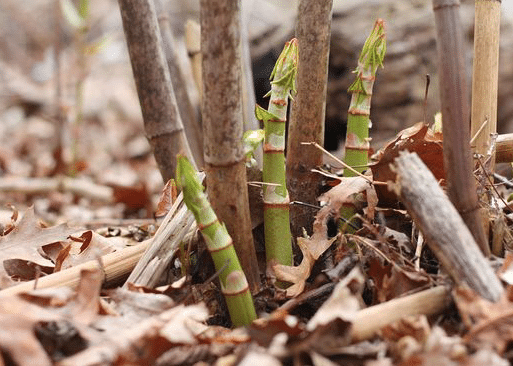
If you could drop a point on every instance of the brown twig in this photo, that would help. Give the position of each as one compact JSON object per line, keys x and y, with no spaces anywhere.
{"x":461,"y":185}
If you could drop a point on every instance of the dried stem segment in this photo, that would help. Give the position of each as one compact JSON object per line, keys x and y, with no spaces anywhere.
{"x":358,"y":122}
{"x":308,"y":109}
{"x":278,"y":237}
{"x":222,"y":124}
{"x":461,"y":185}
{"x":153,"y":264}
{"x":220,"y":245}
{"x":504,"y":148}
{"x":370,"y":320}
{"x":188,"y":111}
{"x":485,"y":73}
{"x":162,"y":121}
{"x":443,"y":228}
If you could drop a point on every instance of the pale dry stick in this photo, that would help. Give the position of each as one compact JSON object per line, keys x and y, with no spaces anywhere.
{"x":478,"y":132}
{"x":443,"y":228}
{"x":418,"y":250}
{"x":78,"y":186}
{"x":171,"y":232}
{"x":370,"y":320}
{"x":337,"y":160}
{"x":341,"y":163}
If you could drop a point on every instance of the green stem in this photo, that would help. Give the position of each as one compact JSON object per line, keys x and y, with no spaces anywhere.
{"x":357,"y":136}
{"x":277,"y":233}
{"x":234,"y":285}
{"x":358,"y":122}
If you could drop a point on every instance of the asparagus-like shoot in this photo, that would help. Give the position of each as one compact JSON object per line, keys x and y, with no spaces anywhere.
{"x":278,"y":238}
{"x":358,"y":122}
{"x":219,"y":243}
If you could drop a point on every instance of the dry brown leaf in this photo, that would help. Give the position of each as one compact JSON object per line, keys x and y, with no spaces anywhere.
{"x":416,"y":327}
{"x":167,"y":198}
{"x":418,"y":138}
{"x":378,"y":271}
{"x":185,"y":324}
{"x":506,"y":271}
{"x":18,"y":319}
{"x":263,"y":330}
{"x":330,"y":326}
{"x":437,"y":349}
{"x":81,"y":305}
{"x":299,"y":274}
{"x":344,"y":302}
{"x":142,"y":342}
{"x":486,"y":357}
{"x":135,"y":306}
{"x":19,"y":250}
{"x":346,"y":192}
{"x":313,"y":247}
{"x":491,"y":324}
{"x":89,"y":246}
{"x":401,"y":282}
{"x":135,"y":198}
{"x":85,"y":305}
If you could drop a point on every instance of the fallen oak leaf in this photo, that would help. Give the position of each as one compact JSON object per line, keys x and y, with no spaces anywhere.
{"x":313,"y":247}
{"x":19,"y":250}
{"x":299,"y":274}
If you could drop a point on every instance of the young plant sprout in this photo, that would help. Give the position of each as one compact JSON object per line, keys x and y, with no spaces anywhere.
{"x":234,"y":285}
{"x":278,"y":237}
{"x":358,"y":122}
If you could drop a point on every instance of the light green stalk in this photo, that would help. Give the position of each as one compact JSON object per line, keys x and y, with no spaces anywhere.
{"x":278,"y":238}
{"x":219,"y":243}
{"x":358,"y":122}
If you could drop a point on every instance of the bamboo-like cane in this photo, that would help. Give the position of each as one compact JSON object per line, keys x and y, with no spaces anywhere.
{"x":308,"y":110}
{"x":162,"y":121}
{"x":234,"y":285}
{"x":278,"y":237}
{"x":485,"y":74}
{"x":461,"y":185}
{"x":188,"y":111}
{"x":222,"y":126}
